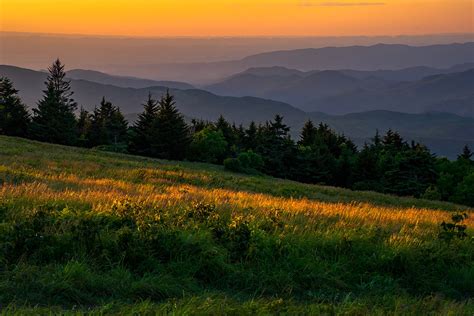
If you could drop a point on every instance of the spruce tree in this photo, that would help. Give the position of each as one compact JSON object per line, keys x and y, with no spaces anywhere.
{"x":108,"y":126}
{"x":54,"y":120}
{"x":170,"y":133}
{"x":250,"y":138}
{"x":226,"y":129}
{"x":308,"y":134}
{"x":14,"y":117}
{"x":466,"y":153}
{"x":83,"y":128}
{"x":277,"y":148}
{"x":142,"y":132}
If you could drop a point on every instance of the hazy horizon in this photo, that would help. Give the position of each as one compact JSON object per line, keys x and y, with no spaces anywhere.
{"x":133,"y":56}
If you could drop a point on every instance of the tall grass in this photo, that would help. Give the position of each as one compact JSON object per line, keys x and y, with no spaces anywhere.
{"x":106,"y":232}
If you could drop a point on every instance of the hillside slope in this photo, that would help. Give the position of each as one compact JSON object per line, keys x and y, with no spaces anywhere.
{"x":113,"y":233}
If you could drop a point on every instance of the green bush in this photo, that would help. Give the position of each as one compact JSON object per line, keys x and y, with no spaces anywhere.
{"x":208,"y":145}
{"x":246,"y":162}
{"x":233,"y":164}
{"x":250,"y":160}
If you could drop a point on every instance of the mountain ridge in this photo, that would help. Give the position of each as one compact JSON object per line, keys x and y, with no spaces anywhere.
{"x":449,"y":132}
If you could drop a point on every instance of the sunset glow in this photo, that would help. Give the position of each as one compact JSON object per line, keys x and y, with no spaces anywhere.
{"x":237,"y":17}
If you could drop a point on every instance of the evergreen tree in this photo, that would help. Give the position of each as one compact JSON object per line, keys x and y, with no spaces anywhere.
{"x":328,"y":137}
{"x":309,"y":134}
{"x":250,"y":138}
{"x":315,"y":164}
{"x":239,"y":133}
{"x":142,"y":132}
{"x":226,"y":129}
{"x":407,"y":171}
{"x":83,"y":127}
{"x":54,"y":120}
{"x":199,"y":125}
{"x":393,"y":141}
{"x":276,"y":148}
{"x":366,"y":169}
{"x":108,"y":126}
{"x":170,"y":133}
{"x":343,"y":176}
{"x":229,"y":135}
{"x":14,"y":117}
{"x":466,"y":153}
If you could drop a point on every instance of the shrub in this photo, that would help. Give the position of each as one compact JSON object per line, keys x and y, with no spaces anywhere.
{"x":233,"y":164}
{"x":455,"y":229}
{"x":250,"y":161}
{"x":246,"y":162}
{"x":208,"y":145}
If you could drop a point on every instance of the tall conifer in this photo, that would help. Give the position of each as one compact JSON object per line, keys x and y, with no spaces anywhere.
{"x":54,"y":120}
{"x":14,"y":117}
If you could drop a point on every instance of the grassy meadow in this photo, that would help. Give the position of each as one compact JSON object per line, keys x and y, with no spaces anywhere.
{"x":90,"y":232}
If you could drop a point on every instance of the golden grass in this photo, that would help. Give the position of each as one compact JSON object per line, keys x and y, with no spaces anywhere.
{"x":161,"y":188}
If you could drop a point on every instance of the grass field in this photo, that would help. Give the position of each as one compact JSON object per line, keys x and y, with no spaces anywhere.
{"x":83,"y":231}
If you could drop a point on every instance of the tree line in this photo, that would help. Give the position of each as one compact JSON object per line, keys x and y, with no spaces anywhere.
{"x":386,"y":164}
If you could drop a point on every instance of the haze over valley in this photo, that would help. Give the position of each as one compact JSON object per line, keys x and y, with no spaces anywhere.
{"x":437,"y":96}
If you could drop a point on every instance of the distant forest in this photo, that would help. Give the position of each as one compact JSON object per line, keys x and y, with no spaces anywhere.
{"x":387,"y":164}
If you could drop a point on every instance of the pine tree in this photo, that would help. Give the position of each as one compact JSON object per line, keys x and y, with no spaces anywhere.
{"x":250,"y":138}
{"x":229,"y":134}
{"x":198,"y":125}
{"x":54,"y":120}
{"x":83,"y":127}
{"x":142,"y":132}
{"x":14,"y":117}
{"x":171,"y":136}
{"x":108,"y":126}
{"x":466,"y":153}
{"x":308,"y":134}
{"x":276,"y":148}
{"x":393,"y":141}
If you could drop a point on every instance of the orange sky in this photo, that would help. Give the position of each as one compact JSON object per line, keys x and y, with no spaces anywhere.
{"x":237,"y":17}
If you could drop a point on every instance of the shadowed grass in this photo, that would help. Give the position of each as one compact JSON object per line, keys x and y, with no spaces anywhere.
{"x":86,"y":231}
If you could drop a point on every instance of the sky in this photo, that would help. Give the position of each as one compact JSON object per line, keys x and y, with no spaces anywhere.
{"x":150,"y":18}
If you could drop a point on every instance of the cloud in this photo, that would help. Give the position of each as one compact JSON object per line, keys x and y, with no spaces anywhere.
{"x":307,"y":3}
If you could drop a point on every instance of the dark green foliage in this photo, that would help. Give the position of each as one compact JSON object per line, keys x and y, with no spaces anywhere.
{"x":160,"y":130}
{"x":246,"y":162}
{"x":83,"y":128}
{"x":199,"y":125}
{"x":276,"y":148}
{"x":14,"y":117}
{"x":315,"y":164}
{"x":466,"y":153}
{"x":464,"y":193}
{"x":250,"y":137}
{"x":208,"y":145}
{"x":251,"y":161}
{"x":107,"y":126}
{"x":308,"y":134}
{"x":233,"y":164}
{"x":407,"y":170}
{"x":170,"y":134}
{"x":54,"y":120}
{"x":142,"y":132}
{"x":455,"y":228}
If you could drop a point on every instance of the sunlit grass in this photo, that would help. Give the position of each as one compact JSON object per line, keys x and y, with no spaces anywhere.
{"x":350,"y":240}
